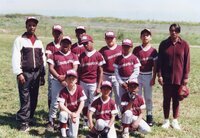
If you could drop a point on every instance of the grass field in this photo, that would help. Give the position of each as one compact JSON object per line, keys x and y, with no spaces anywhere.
{"x":13,"y":25}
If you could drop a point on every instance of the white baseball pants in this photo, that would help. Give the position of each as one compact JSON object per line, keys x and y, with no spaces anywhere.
{"x":100,"y":124}
{"x":73,"y":127}
{"x":144,"y":86}
{"x":55,"y":91}
{"x":128,"y":118}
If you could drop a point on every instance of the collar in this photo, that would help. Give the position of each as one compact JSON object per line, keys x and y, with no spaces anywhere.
{"x":104,"y":102}
{"x":25,"y":35}
{"x":66,"y":53}
{"x":89,"y":54}
{"x":127,"y":55}
{"x":56,"y":45}
{"x":113,"y":47}
{"x":145,"y":48}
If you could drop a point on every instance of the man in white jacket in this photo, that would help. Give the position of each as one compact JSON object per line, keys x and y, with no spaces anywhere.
{"x":28,"y":62}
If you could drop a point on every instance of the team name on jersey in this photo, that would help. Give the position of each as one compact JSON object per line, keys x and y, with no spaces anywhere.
{"x":126,"y":64}
{"x":147,"y":58}
{"x":89,"y":64}
{"x":103,"y":112}
{"x":113,"y":56}
{"x":64,"y":62}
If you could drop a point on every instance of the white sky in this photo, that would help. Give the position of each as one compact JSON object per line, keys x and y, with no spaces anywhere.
{"x":162,"y":10}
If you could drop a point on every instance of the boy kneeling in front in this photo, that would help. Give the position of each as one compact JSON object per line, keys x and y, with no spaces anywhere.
{"x":133,"y":108}
{"x":104,"y":110}
{"x":71,"y":102}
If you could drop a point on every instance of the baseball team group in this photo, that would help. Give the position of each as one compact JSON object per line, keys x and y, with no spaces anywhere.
{"x":99,"y":87}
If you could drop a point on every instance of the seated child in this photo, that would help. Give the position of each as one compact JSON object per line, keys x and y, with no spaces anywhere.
{"x":133,"y":108}
{"x":104,"y":111}
{"x":71,"y":101}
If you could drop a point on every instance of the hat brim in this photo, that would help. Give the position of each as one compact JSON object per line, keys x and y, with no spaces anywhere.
{"x":106,"y":86}
{"x":33,"y":20}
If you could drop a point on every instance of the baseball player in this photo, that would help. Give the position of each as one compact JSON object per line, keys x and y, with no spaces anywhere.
{"x":127,"y":66}
{"x":91,"y":71}
{"x":110,"y":53}
{"x":147,"y":56}
{"x":104,"y":109}
{"x":51,"y":48}
{"x":59,"y":63}
{"x":71,"y":102}
{"x":77,"y":47}
{"x":133,"y":107}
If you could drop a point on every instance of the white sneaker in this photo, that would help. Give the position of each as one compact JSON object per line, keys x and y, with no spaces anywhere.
{"x":166,"y":124}
{"x":85,"y":125}
{"x":125,"y":135}
{"x":175,"y":124}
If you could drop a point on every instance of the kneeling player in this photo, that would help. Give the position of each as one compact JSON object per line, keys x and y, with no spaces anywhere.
{"x":133,"y":108}
{"x":71,"y":102}
{"x":104,"y":110}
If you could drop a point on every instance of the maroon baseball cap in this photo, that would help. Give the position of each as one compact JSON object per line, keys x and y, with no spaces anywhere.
{"x":86,"y":38}
{"x":71,"y":72}
{"x":80,"y":28}
{"x":109,"y":34}
{"x":57,"y":27}
{"x":145,"y":30}
{"x":133,"y":82}
{"x":127,"y":42}
{"x":32,"y":18}
{"x":67,"y":38}
{"x":106,"y":84}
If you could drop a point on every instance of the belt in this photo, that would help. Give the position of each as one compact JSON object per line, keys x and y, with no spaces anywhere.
{"x":145,"y":73}
{"x":107,"y":73}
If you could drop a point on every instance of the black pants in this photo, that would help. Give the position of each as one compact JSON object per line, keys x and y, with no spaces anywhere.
{"x":28,"y":94}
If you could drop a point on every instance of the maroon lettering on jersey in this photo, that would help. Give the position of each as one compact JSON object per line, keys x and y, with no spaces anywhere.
{"x":72,"y":101}
{"x":110,"y":56}
{"x":77,"y":49}
{"x":89,"y":67}
{"x":146,"y":57}
{"x":103,"y":109}
{"x":63,"y":62}
{"x":138,"y":103}
{"x":126,"y":65}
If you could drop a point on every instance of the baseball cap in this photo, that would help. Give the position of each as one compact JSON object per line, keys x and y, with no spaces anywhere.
{"x":145,"y":30}
{"x":86,"y":38}
{"x":71,"y":72}
{"x":57,"y":27}
{"x":80,"y":28}
{"x":67,"y":38}
{"x":32,"y":18}
{"x":133,"y":82}
{"x":127,"y":42}
{"x":106,"y":84}
{"x":109,"y":34}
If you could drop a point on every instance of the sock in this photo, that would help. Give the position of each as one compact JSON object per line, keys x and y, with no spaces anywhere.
{"x":63,"y":132}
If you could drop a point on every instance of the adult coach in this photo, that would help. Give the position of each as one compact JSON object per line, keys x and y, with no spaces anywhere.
{"x":173,"y":71}
{"x":28,"y":61}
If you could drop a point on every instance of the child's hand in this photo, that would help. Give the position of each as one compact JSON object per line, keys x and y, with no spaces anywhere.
{"x":125,"y":86}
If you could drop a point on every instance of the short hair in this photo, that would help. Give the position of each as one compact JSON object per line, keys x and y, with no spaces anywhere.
{"x":176,"y":26}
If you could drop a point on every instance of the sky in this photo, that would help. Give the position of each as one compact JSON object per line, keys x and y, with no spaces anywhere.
{"x":159,"y":10}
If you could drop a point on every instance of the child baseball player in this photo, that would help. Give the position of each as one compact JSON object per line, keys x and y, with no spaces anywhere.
{"x":133,"y":107}
{"x":78,"y":48}
{"x":71,"y":102}
{"x":51,"y":48}
{"x":147,"y":56}
{"x":104,"y":111}
{"x":59,"y":63}
{"x":110,"y":52}
{"x":127,"y":66}
{"x":90,"y":72}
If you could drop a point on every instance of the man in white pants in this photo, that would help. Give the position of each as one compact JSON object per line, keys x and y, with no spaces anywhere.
{"x":133,"y":108}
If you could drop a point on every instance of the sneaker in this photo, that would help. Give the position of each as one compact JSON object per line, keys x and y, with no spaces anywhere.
{"x":176,"y":125}
{"x":24,"y":127}
{"x":50,"y":127}
{"x":150,"y":120}
{"x":125,"y":135}
{"x":166,"y":124}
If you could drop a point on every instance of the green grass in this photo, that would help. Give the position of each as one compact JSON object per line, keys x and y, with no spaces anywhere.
{"x":11,"y":26}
